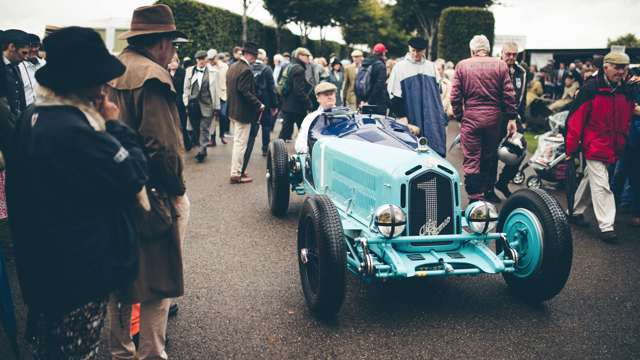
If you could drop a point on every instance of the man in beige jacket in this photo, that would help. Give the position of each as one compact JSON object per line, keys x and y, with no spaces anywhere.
{"x":350,"y":73}
{"x":217,"y":61}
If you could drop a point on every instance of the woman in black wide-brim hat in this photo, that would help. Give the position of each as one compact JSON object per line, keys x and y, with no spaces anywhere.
{"x":72,"y":178}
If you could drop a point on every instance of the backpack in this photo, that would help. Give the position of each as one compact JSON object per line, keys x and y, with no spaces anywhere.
{"x":282,"y":87}
{"x":261,"y":82}
{"x":363,"y":82}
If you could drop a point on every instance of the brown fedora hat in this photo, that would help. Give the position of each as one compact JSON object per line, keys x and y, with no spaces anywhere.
{"x":153,"y":19}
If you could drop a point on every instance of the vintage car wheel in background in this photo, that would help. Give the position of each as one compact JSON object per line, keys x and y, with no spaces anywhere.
{"x":519,"y":178}
{"x":537,"y":228}
{"x":278,"y":178}
{"x":534,"y":182}
{"x":321,"y":256}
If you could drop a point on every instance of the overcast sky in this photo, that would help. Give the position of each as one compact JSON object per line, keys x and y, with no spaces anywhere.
{"x":545,"y":23}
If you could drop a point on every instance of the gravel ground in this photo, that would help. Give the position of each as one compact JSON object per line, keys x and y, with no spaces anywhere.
{"x":243,"y":298}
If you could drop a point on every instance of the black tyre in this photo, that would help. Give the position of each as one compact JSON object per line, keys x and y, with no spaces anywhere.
{"x":534,"y":182}
{"x":321,"y":256}
{"x":278,"y":178}
{"x":537,"y":228}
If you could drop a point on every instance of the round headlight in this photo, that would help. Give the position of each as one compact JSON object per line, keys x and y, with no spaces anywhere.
{"x":482,"y":217}
{"x":390,"y":220}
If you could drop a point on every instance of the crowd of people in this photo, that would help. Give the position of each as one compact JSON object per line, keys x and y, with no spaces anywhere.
{"x":112,"y":144}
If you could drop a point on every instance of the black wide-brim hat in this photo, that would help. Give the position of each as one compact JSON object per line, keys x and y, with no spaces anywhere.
{"x":250,"y":48}
{"x":77,"y":58}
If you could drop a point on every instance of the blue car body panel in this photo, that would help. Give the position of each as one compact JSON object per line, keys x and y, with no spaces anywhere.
{"x":366,"y":162}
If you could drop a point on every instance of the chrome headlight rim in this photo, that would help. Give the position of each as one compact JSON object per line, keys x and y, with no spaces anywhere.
{"x":489,"y":220}
{"x":393,"y":228}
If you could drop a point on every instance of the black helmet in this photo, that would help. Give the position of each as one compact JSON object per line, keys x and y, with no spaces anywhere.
{"x":512,"y":149}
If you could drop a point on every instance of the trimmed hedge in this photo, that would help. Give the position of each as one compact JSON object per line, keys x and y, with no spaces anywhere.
{"x":457,"y":26}
{"x":211,"y":27}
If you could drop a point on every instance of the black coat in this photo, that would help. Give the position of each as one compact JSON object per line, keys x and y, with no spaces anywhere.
{"x":297,"y":100}
{"x":265,"y":85}
{"x":178,"y":84}
{"x":14,"y":88}
{"x":71,"y":193}
{"x":377,"y":94}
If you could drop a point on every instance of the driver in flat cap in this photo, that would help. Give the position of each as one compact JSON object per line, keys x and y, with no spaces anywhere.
{"x":415,"y":95}
{"x":326,"y":95}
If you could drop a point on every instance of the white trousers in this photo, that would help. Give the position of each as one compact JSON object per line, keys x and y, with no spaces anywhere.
{"x":596,"y":179}
{"x":240,"y":139}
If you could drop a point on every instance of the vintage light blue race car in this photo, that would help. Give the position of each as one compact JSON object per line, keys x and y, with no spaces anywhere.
{"x":380,"y":204}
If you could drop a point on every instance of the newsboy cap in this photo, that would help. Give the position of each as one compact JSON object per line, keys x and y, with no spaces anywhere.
{"x":324,"y":87}
{"x":200,"y":54}
{"x":617,"y":58}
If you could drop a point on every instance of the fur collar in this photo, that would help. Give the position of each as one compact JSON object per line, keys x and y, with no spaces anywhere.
{"x":46,"y":97}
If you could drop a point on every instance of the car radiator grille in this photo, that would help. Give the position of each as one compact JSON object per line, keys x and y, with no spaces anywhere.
{"x":431,"y":205}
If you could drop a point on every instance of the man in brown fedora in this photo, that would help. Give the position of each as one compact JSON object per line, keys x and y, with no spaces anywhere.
{"x":146,"y":96}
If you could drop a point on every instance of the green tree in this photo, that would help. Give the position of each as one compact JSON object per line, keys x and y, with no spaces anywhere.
{"x":457,"y":26}
{"x":371,"y":22}
{"x":422,"y":16}
{"x":211,"y":27}
{"x":629,"y":40}
{"x":281,"y":12}
{"x":319,"y":13}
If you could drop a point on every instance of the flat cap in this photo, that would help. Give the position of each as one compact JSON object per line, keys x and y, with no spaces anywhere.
{"x":617,"y":58}
{"x":200,"y":54}
{"x":211,"y":53}
{"x":302,"y":51}
{"x":356,"y":53}
{"x":418,"y":43}
{"x":325,"y":87}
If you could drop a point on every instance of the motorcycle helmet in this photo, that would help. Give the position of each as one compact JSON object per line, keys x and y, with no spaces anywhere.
{"x":512,"y":149}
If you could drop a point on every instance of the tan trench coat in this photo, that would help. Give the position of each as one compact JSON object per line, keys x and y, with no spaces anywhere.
{"x":349,"y":91}
{"x":147,"y":101}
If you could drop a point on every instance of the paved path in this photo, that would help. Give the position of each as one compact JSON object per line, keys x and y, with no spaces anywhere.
{"x":243,"y":298}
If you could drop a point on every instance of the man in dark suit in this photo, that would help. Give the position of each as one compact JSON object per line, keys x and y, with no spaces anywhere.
{"x":15,"y":48}
{"x":243,"y":108}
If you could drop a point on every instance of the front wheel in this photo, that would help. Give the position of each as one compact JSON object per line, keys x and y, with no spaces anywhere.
{"x":537,"y":228}
{"x":321,"y":256}
{"x":278,"y":178}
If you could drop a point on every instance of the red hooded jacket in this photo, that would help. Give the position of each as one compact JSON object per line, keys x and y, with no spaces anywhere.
{"x":599,"y":120}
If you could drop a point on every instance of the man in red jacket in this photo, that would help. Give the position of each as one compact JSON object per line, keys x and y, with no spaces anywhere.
{"x":599,"y":123}
{"x":481,"y":93}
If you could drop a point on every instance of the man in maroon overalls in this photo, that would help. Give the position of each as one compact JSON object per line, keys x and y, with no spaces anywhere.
{"x":482,"y":91}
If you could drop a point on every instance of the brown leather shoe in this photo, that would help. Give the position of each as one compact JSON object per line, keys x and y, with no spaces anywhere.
{"x":223,"y":141}
{"x":246,"y":178}
{"x":240,"y":179}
